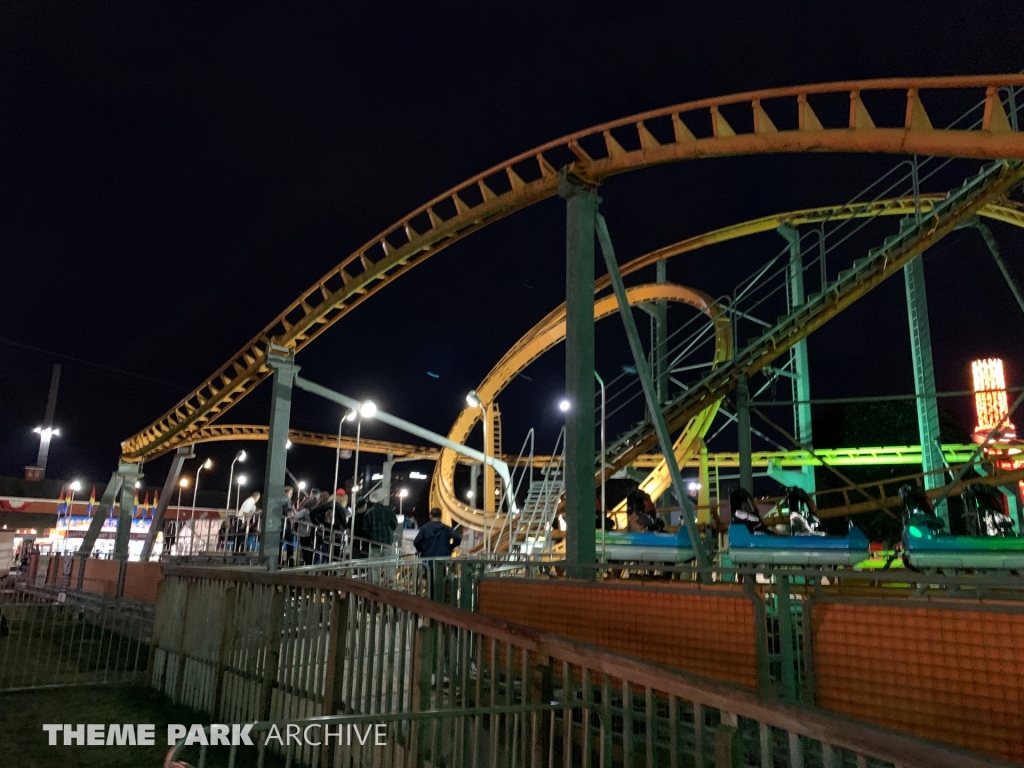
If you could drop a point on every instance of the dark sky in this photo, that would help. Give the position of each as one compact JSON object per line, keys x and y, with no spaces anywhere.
{"x":173,"y":174}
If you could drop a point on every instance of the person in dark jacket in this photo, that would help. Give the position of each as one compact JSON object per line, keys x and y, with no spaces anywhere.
{"x":380,"y":521}
{"x":435,"y":539}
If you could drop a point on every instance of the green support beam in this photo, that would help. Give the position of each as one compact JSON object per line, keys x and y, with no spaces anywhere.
{"x":799,"y":366}
{"x":650,"y":394}
{"x":282,"y":361}
{"x":924,"y":378}
{"x":581,"y":213}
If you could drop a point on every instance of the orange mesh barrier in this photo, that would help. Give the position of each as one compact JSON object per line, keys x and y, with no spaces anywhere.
{"x":698,"y":632}
{"x":101,"y":576}
{"x":955,"y":676}
{"x":141,"y":580}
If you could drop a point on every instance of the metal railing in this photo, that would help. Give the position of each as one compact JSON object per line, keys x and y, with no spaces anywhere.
{"x":53,"y":637}
{"x":460,"y":689}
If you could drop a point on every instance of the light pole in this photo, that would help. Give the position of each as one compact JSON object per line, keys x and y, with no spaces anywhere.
{"x":240,"y":456}
{"x":349,"y":416}
{"x":474,"y":401}
{"x":183,"y":483}
{"x":75,"y":486}
{"x":401,"y":497}
{"x":238,"y":495}
{"x":367,"y":410}
{"x":45,"y":434}
{"x":208,"y":464}
{"x":604,"y":508}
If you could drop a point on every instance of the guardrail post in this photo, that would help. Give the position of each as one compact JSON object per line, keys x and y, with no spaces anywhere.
{"x":730,"y":751}
{"x":422,"y":683}
{"x":542,"y":691}
{"x":808,"y":654}
{"x":272,"y":651}
{"x":785,"y":614}
{"x":122,"y":571}
{"x":224,"y":648}
{"x":179,"y":675}
{"x":334,"y":676}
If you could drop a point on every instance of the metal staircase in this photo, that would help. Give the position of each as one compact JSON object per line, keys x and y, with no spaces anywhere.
{"x":530,"y":530}
{"x":897,"y":250}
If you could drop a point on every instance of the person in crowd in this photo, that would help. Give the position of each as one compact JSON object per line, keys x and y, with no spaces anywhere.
{"x":744,"y":510}
{"x":322,"y":516}
{"x":287,"y":536}
{"x":248,"y":518}
{"x":360,"y":549}
{"x":641,"y":513}
{"x":435,"y":539}
{"x":302,"y":527}
{"x":380,"y":521}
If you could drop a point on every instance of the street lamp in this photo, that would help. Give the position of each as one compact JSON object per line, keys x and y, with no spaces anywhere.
{"x":45,"y":433}
{"x":238,"y":496}
{"x":240,"y":456}
{"x":208,"y":464}
{"x":564,"y":405}
{"x":183,"y":483}
{"x":367,"y":410}
{"x":401,"y":497}
{"x":350,"y":415}
{"x":604,"y":508}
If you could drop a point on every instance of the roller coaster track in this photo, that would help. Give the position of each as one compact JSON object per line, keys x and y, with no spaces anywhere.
{"x":758,"y":122}
{"x":542,"y":337}
{"x":991,"y":184}
{"x":1006,"y":211}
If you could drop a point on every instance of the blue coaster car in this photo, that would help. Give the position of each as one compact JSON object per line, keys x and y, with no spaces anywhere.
{"x":624,"y":547}
{"x":746,"y":548}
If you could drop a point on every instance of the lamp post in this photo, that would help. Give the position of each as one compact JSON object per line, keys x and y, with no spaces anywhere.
{"x":238,"y":494}
{"x":474,"y":401}
{"x":183,"y":483}
{"x":45,"y":434}
{"x":208,"y":464}
{"x":401,"y":497}
{"x":240,"y":456}
{"x":349,"y":416}
{"x":75,"y":486}
{"x":367,"y":410}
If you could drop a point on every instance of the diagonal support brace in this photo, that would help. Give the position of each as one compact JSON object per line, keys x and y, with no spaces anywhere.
{"x":650,"y":393}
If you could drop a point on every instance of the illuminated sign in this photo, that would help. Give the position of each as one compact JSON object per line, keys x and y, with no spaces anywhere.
{"x":990,"y":402}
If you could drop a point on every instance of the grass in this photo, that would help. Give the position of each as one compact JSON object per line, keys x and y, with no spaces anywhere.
{"x":24,"y":744}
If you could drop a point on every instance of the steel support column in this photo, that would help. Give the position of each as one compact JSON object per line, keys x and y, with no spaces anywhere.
{"x":130,"y":475}
{"x":180,"y":457}
{"x":650,"y":393}
{"x":385,"y":483}
{"x":282,"y":363}
{"x":101,"y":512}
{"x":581,"y":214}
{"x":661,"y":368}
{"x":490,"y":505}
{"x":993,"y":248}
{"x":924,"y":379}
{"x":801,"y":381}
{"x":743,"y":428}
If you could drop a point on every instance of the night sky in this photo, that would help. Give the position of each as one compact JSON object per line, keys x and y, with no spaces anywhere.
{"x":172,"y":175}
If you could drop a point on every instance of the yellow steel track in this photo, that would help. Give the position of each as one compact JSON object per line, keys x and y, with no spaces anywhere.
{"x":741,"y":124}
{"x":546,"y":334}
{"x":509,"y":366}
